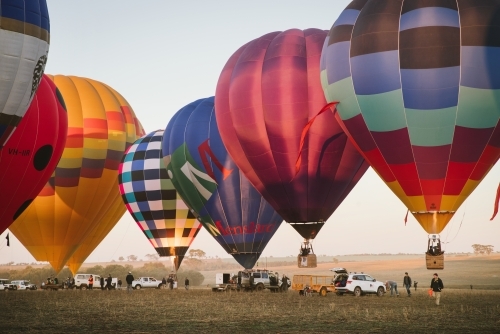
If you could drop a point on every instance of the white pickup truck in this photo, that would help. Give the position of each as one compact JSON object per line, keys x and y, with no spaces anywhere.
{"x":147,"y":282}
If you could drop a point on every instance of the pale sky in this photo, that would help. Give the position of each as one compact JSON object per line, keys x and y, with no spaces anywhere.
{"x":162,"y":54}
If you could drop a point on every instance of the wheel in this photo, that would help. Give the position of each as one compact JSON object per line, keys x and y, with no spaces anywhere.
{"x":259,"y":287}
{"x":380,"y":291}
{"x":323,"y":292}
{"x":14,"y":288}
{"x":137,"y":287}
{"x":83,"y":287}
{"x":357,"y":291}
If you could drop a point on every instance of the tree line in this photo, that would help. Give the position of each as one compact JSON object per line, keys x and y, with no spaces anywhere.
{"x":152,"y":269}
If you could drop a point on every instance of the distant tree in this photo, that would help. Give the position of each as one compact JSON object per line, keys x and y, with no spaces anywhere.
{"x":152,"y":257}
{"x":121,"y":258}
{"x":335,"y":260}
{"x":482,"y":249}
{"x":197,"y":253}
{"x":132,"y":257}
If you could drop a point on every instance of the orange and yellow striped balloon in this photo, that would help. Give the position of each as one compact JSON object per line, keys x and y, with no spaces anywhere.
{"x":77,"y":200}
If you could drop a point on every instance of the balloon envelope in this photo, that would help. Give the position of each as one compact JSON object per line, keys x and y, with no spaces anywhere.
{"x":152,"y":200}
{"x":32,"y":153}
{"x":266,"y":94}
{"x":83,"y":188}
{"x":24,"y":45}
{"x":229,"y":207}
{"x":418,"y":85}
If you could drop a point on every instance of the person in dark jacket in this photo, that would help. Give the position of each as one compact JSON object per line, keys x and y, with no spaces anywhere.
{"x":436,"y":286}
{"x":101,"y":282}
{"x":108,"y":282}
{"x":186,"y":283}
{"x":407,"y":284}
{"x":129,"y":279}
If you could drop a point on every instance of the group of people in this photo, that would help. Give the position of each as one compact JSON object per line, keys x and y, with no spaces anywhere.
{"x":436,"y":286}
{"x":435,"y":249}
{"x":107,"y":286}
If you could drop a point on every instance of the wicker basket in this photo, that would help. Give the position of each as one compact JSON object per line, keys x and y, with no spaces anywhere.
{"x":307,"y":261}
{"x":434,"y":261}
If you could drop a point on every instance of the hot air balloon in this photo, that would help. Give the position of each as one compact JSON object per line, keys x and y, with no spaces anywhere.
{"x":32,"y":153}
{"x":24,"y":44}
{"x":152,"y":200}
{"x":267,"y":93}
{"x":418,"y":87}
{"x":83,"y":188}
{"x":229,"y":207}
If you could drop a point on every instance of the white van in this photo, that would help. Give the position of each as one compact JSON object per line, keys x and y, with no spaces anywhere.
{"x":82,"y":281}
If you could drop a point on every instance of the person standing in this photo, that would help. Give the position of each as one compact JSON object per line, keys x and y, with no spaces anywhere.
{"x":171,"y":282}
{"x":108,"y":282}
{"x":393,"y":286}
{"x":164,"y":283}
{"x":436,"y":286}
{"x":186,"y":283}
{"x":407,"y":284}
{"x":129,"y":279}
{"x":91,"y":282}
{"x":415,"y":285}
{"x":101,"y":282}
{"x":284,"y":283}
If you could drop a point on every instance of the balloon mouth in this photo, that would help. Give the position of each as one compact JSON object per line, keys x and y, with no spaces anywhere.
{"x":433,"y":222}
{"x":307,"y":229}
{"x":432,"y":212}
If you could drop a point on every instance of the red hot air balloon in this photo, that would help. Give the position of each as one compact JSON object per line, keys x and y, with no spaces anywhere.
{"x":30,"y":156}
{"x":266,"y":94}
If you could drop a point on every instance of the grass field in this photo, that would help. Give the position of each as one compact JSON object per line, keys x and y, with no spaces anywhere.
{"x":203,"y":311}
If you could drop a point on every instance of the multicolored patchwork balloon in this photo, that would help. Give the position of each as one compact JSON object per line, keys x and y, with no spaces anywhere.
{"x":28,"y":160}
{"x":153,"y":202}
{"x":419,"y":90}
{"x":267,"y":93}
{"x":84,"y":185}
{"x":229,"y":207}
{"x":24,"y":45}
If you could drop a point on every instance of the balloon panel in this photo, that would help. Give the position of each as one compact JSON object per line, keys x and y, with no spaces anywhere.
{"x":31,"y":155}
{"x":152,"y":200}
{"x":266,"y":94}
{"x":418,"y":87}
{"x":230,"y":208}
{"x":83,"y":186}
{"x":24,"y":45}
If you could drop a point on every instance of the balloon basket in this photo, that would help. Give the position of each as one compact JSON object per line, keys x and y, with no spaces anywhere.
{"x":434,"y":261}
{"x":307,"y":261}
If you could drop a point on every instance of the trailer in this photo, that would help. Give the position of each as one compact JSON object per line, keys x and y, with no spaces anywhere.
{"x":225,"y":282}
{"x":314,"y":283}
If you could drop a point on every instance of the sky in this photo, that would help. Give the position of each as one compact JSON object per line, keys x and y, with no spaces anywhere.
{"x":163,"y":54}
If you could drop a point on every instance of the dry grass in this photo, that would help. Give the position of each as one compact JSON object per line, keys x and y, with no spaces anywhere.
{"x":203,"y":311}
